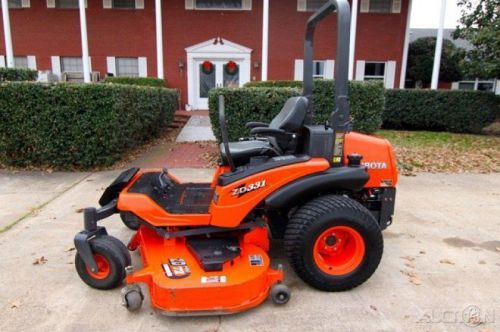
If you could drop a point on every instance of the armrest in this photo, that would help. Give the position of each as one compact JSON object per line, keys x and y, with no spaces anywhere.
{"x":267,"y":131}
{"x":253,"y":124}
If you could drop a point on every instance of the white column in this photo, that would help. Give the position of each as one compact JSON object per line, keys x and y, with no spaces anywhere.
{"x":352,"y":45}
{"x":159,"y":40}
{"x":439,"y":48}
{"x":404,"y":60}
{"x":7,"y":35}
{"x":265,"y":39}
{"x":85,"y":42}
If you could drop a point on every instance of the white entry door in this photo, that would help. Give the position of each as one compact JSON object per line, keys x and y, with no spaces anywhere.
{"x":211,"y":74}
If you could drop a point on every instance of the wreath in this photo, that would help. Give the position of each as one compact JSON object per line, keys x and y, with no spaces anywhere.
{"x":231,"y":68}
{"x":207,"y":67}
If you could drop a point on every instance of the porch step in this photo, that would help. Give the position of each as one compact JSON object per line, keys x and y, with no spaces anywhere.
{"x":180,"y":119}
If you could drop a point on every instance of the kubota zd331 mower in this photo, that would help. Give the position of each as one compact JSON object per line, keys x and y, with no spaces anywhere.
{"x":326,"y":190}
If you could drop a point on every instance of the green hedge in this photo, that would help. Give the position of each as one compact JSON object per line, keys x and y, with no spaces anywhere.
{"x":453,"y":111}
{"x":68,"y":126}
{"x":17,"y":75}
{"x":262,"y":101}
{"x":141,"y":81}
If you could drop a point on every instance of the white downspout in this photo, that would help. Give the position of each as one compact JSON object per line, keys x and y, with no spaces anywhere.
{"x":404,"y":60}
{"x":352,"y":45}
{"x":265,"y":39}
{"x":159,"y":40}
{"x":85,"y":42}
{"x":439,"y":48}
{"x":9,"y":52}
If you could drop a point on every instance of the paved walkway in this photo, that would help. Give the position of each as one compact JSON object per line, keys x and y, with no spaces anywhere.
{"x":441,"y":264}
{"x":197,"y":129}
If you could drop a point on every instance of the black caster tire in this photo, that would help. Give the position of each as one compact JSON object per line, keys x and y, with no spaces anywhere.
{"x":333,"y":243}
{"x":132,"y":297}
{"x":111,"y":263}
{"x":130,"y":220}
{"x":123,"y":248}
{"x":280,"y":294}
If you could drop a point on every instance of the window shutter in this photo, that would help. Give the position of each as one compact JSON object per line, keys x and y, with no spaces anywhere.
{"x":111,"y":65}
{"x":390,"y":74}
{"x":143,"y":67}
{"x":56,"y":65}
{"x":26,"y":3}
{"x":299,"y":70}
{"x":247,"y":5}
{"x":454,"y":86}
{"x":301,"y":5}
{"x":360,"y":70}
{"x":51,"y":3}
{"x":365,"y":6}
{"x":139,"y":4}
{"x":107,"y":4}
{"x":396,"y":6}
{"x":31,"y":62}
{"x":90,"y":64}
{"x":2,"y":61}
{"x":189,"y":4}
{"x":329,"y":69}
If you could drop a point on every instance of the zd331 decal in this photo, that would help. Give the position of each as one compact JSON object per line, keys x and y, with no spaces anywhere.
{"x":244,"y":189}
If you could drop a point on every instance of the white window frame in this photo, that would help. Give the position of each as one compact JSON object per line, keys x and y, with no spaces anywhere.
{"x":23,"y":4}
{"x":395,"y":7}
{"x":52,"y":4}
{"x":475,"y":83}
{"x":302,"y":6}
{"x":375,"y":77}
{"x":112,"y":68}
{"x":108,"y":4}
{"x":328,"y":69}
{"x":245,"y":5}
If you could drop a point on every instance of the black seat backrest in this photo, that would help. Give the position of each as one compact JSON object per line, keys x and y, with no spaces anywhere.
{"x":292,"y":115}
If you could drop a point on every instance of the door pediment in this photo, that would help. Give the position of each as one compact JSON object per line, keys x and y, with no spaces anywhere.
{"x":218,"y":45}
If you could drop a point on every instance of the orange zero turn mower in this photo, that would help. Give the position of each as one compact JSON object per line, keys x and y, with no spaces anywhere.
{"x":327,"y":191}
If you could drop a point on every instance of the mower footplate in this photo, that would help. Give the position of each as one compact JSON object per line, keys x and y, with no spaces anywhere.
{"x":179,"y":285}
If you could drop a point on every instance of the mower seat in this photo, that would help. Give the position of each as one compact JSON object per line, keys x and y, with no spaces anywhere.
{"x":290,"y":119}
{"x":241,"y":152}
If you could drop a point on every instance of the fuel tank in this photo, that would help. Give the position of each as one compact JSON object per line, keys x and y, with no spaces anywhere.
{"x":378,"y":157}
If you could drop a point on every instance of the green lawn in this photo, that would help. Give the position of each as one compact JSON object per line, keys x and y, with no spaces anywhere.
{"x":444,"y":152}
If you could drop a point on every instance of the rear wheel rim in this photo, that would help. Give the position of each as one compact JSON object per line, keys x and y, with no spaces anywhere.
{"x":339,"y":250}
{"x":103,"y":268}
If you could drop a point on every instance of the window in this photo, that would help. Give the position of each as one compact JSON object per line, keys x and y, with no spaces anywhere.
{"x":319,"y":69}
{"x":466,"y":85}
{"x":14,"y":4}
{"x":67,"y":4}
{"x":219,"y":4}
{"x":21,"y":62}
{"x":71,"y":64}
{"x":124,"y":4}
{"x":477,"y":85}
{"x":314,"y":5}
{"x":127,"y":67}
{"x":380,"y":6}
{"x":374,"y":71}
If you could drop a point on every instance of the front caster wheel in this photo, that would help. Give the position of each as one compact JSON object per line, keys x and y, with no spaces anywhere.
{"x":132,"y":297}
{"x":111,"y":263}
{"x":280,"y":294}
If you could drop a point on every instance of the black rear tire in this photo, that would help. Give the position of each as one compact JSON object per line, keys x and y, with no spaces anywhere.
{"x":317,"y":216}
{"x":112,"y":257}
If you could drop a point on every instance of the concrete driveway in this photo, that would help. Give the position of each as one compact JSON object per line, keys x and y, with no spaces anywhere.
{"x":439,"y":271}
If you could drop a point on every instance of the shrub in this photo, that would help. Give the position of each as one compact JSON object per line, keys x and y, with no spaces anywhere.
{"x":454,"y":111}
{"x":78,"y":126}
{"x":17,"y":74}
{"x":261,"y":101}
{"x":141,"y":81}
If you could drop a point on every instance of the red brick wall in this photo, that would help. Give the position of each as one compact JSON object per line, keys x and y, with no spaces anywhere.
{"x":47,"y":32}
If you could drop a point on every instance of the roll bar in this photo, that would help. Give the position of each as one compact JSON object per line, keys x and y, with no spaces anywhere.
{"x":339,"y":118}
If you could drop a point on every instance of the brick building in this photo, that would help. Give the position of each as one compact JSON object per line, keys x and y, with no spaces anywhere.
{"x":263,"y":38}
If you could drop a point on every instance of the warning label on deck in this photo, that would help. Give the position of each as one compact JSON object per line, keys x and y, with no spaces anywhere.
{"x":213,"y":279}
{"x":176,"y":268}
